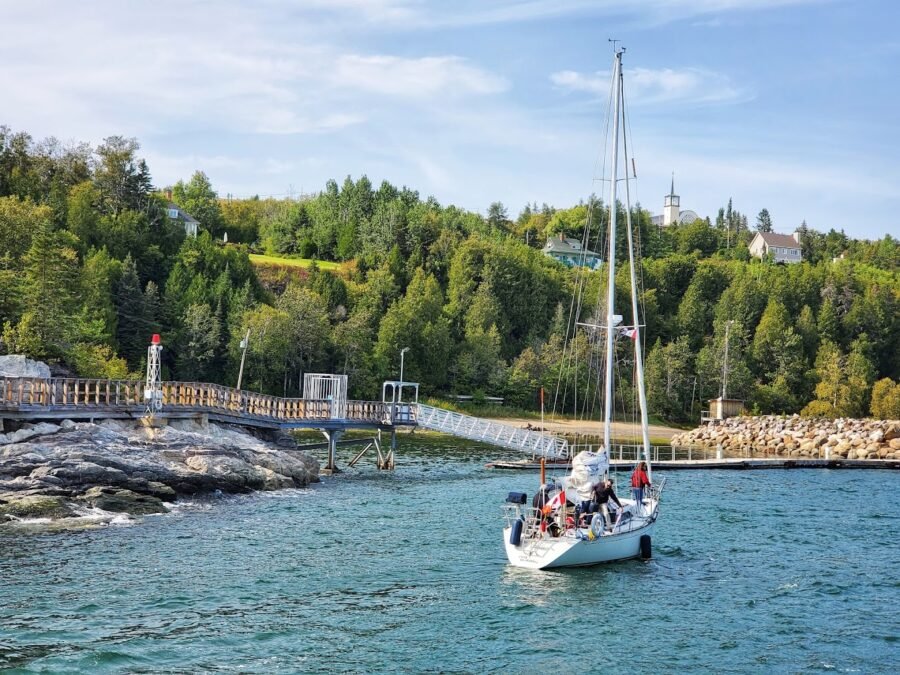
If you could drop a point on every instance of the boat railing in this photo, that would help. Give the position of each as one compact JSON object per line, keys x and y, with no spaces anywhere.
{"x":531,"y":516}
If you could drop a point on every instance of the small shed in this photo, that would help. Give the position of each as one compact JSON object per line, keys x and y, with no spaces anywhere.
{"x":327,"y":387}
{"x":720,"y":408}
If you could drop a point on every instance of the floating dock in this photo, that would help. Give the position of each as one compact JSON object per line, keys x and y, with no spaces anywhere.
{"x":728,"y":463}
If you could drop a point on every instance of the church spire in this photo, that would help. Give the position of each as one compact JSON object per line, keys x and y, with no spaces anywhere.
{"x":671,"y":206}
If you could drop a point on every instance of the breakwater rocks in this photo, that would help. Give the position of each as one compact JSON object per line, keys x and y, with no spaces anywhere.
{"x":77,"y":474}
{"x":797,"y":436}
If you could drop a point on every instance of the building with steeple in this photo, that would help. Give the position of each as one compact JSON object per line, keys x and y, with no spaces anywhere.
{"x":672,"y":213}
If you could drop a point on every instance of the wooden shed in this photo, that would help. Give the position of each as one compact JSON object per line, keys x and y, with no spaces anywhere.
{"x":720,"y":408}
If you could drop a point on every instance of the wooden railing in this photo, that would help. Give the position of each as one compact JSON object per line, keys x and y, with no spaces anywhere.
{"x":57,"y":392}
{"x":22,"y":393}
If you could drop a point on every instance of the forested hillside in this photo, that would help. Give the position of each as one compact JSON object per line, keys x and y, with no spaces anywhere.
{"x":91,"y":265}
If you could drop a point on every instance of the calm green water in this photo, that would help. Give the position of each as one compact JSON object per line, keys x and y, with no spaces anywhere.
{"x":772,"y":571}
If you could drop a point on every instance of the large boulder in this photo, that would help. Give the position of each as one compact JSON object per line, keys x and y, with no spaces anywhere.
{"x":122,"y":501}
{"x":14,"y":507}
{"x":18,"y":365}
{"x":118,"y":467}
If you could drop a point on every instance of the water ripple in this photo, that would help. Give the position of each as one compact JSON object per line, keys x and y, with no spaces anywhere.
{"x":404,"y":571}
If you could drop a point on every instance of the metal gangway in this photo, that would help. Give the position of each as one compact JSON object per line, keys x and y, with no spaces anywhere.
{"x":486,"y":431}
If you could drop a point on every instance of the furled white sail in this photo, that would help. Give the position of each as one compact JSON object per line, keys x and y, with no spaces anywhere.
{"x":587,"y":470}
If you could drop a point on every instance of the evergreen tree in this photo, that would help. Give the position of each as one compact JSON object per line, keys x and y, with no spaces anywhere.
{"x":198,"y":342}
{"x":860,"y":377}
{"x":808,"y":331}
{"x":764,"y":221}
{"x":497,"y":217}
{"x":51,"y":269}
{"x":133,"y":330}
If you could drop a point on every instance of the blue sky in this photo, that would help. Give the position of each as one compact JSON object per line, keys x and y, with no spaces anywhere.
{"x":790,"y":105}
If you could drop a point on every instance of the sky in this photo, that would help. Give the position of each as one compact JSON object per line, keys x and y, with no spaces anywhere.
{"x":789,"y":105}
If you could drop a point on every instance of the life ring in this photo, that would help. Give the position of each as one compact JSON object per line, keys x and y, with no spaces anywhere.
{"x":597,"y":526}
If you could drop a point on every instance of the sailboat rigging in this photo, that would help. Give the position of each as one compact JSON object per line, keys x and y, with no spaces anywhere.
{"x":568,"y":523}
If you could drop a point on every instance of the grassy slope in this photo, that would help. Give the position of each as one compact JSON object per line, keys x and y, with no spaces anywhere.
{"x":259,"y":259}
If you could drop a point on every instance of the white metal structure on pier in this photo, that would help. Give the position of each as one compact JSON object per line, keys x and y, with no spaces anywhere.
{"x":495,"y":433}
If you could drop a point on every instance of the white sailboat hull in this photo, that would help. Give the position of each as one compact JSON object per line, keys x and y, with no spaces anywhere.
{"x":575,"y":549}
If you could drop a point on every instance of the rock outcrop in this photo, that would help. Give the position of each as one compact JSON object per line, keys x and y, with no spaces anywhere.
{"x":17,"y":365}
{"x":797,"y":436}
{"x":71,"y":470}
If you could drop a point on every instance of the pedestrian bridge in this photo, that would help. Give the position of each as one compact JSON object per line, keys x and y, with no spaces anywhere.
{"x":494,"y":433}
{"x":94,"y":399}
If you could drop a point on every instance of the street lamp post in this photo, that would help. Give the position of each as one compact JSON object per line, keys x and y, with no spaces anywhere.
{"x":244,"y":344}
{"x":402,"y":352}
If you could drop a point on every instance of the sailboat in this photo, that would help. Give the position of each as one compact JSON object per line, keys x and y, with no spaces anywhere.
{"x":560,"y":529}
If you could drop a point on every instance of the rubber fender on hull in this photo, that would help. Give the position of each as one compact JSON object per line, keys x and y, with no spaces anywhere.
{"x":515,"y":534}
{"x":645,"y":547}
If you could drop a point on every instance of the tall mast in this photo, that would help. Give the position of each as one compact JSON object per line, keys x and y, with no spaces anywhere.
{"x":638,"y":351}
{"x":611,"y":260}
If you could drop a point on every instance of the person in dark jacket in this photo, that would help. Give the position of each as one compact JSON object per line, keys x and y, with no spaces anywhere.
{"x":639,"y":481}
{"x":600,"y":496}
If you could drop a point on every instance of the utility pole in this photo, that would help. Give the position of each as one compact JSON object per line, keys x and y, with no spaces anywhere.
{"x":244,"y":344}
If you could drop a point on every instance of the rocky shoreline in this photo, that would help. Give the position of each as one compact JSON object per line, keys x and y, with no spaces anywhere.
{"x":797,"y":436}
{"x":81,"y":474}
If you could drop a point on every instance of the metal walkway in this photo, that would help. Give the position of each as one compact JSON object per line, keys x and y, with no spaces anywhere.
{"x":494,"y":433}
{"x":60,"y":398}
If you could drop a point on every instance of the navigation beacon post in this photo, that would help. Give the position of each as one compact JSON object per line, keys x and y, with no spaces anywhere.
{"x":153,"y":386}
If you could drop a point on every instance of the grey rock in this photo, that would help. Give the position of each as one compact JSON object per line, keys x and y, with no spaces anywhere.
{"x":160,"y":464}
{"x":35,"y":506}
{"x":122,"y":501}
{"x":18,"y":365}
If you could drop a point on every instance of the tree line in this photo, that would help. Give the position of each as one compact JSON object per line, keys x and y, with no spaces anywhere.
{"x":91,"y":265}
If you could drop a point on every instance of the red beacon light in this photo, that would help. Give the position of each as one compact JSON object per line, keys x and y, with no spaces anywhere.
{"x":155,"y":340}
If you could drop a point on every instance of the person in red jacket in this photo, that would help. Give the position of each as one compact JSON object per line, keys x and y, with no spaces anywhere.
{"x":639,"y":480}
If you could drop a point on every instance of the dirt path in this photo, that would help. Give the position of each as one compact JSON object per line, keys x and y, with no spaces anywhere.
{"x":621,"y":430}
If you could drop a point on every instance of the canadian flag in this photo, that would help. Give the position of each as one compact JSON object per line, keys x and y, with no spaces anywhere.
{"x":629,"y":333}
{"x":558,"y":500}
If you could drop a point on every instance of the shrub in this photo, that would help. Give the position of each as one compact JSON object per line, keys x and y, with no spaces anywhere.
{"x":886,"y":399}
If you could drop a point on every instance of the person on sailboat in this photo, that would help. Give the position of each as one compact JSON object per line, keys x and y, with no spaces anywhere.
{"x":639,"y":481}
{"x":600,"y":496}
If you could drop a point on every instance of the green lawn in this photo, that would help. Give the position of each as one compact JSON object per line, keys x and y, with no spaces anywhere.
{"x":259,"y":259}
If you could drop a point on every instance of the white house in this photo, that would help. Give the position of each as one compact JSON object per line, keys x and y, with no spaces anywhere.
{"x":783,"y":248}
{"x":672,"y":213}
{"x":571,"y":253}
{"x":190,"y":224}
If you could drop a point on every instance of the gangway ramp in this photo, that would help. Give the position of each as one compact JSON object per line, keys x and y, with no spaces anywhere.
{"x":494,"y":433}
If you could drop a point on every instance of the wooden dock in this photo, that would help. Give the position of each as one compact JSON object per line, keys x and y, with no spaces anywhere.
{"x":65,"y":398}
{"x":29,"y":399}
{"x":728,"y":463}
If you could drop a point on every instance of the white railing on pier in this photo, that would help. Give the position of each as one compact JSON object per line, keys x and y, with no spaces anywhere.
{"x":494,"y":433}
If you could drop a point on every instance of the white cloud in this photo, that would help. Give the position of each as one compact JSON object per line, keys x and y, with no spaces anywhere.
{"x":121,"y":69}
{"x":427,"y":76}
{"x":416,"y":14}
{"x":654,"y":87}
